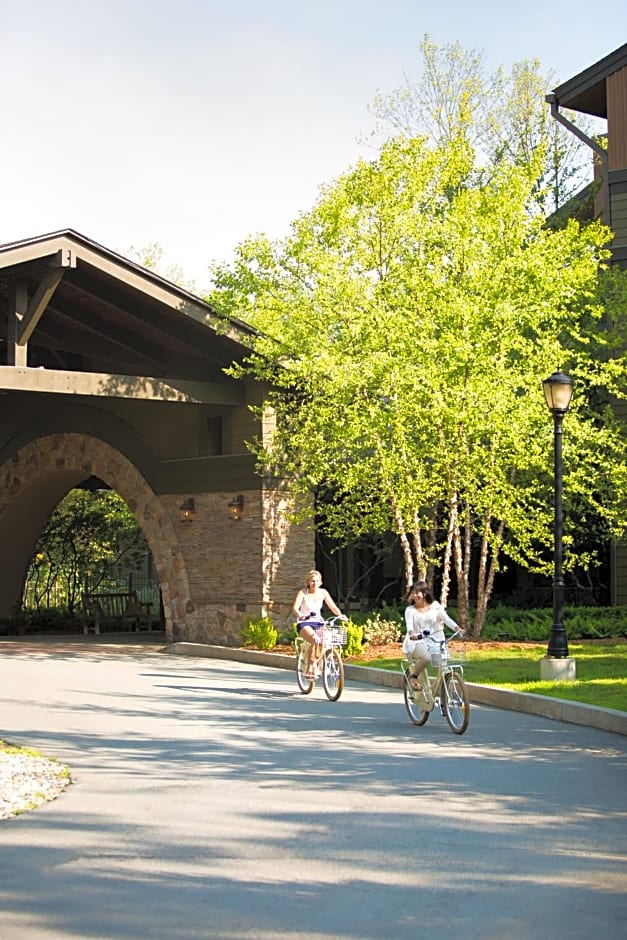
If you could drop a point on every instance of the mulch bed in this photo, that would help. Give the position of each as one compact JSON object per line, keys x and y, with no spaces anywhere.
{"x":394,"y":651}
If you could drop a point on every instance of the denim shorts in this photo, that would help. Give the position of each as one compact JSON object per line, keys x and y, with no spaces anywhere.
{"x":314,"y":624}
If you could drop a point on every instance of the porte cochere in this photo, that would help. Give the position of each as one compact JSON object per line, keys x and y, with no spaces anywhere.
{"x":109,"y":371}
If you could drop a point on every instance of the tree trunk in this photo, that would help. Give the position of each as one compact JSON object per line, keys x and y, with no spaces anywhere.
{"x":488,"y":587}
{"x":481,"y":581}
{"x":461,"y":570}
{"x":408,"y":560}
{"x":448,"y":552}
{"x":419,"y":555}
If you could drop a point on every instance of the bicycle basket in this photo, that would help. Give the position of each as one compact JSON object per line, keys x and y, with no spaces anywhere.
{"x":439,"y":657}
{"x":458,"y":653}
{"x":334,"y":636}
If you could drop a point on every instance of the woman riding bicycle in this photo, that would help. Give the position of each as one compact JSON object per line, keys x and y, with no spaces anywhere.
{"x":308,"y":612}
{"x":424,"y":620}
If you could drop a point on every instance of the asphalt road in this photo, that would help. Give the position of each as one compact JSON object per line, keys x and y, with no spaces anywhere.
{"x":211,"y":799}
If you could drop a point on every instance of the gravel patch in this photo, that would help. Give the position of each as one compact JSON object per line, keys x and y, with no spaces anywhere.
{"x":28,"y":780}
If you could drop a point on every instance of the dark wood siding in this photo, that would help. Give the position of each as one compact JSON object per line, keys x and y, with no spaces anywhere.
{"x":618,"y":197}
{"x":616,"y":90}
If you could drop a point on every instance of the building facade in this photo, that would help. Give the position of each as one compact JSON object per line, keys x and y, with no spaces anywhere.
{"x":601,"y":91}
{"x":108,"y":371}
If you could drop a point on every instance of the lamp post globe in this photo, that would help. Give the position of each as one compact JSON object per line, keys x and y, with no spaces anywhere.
{"x":558,"y":391}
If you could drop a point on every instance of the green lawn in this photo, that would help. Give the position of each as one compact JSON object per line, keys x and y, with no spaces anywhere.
{"x":601,"y":671}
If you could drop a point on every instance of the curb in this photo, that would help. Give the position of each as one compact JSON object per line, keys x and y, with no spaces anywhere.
{"x":605,"y":719}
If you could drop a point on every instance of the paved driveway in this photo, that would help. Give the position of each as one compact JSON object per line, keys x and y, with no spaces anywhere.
{"x":211,"y":799}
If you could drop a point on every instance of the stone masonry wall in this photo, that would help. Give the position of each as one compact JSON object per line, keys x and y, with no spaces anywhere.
{"x":240,"y":569}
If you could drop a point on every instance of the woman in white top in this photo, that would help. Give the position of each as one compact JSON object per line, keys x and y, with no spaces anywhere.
{"x":308,"y":611}
{"x":424,"y":620}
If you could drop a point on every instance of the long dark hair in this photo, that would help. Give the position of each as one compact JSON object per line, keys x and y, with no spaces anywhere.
{"x":421,"y":586}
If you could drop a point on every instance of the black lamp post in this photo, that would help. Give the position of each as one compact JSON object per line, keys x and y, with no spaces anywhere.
{"x":558,"y":390}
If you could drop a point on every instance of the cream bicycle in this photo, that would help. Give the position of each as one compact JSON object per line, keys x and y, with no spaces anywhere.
{"x":331,"y":663}
{"x":447,"y":687}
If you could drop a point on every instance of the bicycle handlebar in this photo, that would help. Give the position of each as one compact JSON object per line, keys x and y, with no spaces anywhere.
{"x":455,"y":634}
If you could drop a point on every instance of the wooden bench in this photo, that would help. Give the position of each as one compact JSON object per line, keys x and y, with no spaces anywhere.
{"x":118,"y":608}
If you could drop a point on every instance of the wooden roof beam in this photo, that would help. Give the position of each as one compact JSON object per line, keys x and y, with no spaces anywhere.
{"x":108,"y":385}
{"x":26,"y":313}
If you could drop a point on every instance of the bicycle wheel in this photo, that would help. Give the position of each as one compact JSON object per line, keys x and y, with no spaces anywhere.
{"x":332,"y":674}
{"x":304,"y":683}
{"x":456,"y":704}
{"x":417,"y":714}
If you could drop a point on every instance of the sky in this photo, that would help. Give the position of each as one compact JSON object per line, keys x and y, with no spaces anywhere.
{"x":194,"y":124}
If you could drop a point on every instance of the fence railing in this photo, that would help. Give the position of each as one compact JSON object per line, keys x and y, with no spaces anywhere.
{"x":56,"y":595}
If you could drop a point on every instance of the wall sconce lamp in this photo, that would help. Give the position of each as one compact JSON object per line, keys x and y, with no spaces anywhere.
{"x":187,"y":510}
{"x":236,"y":508}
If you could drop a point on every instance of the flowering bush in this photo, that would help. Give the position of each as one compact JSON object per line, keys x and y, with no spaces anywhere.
{"x":354,"y":639}
{"x":380,"y":632}
{"x":261,"y":633}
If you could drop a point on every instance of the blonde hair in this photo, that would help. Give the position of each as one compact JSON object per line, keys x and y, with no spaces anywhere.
{"x":312,"y":574}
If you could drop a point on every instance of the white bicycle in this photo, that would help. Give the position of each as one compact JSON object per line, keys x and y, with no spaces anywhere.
{"x":331,"y":664}
{"x":448,"y":689}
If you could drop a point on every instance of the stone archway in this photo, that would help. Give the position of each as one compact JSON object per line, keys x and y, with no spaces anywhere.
{"x":41,"y":472}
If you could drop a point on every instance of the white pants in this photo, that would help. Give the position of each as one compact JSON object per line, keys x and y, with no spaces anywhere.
{"x":419,"y":656}
{"x":419,"y":653}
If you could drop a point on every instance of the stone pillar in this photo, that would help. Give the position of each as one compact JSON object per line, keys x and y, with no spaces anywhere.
{"x":238,"y":568}
{"x":288,"y":554}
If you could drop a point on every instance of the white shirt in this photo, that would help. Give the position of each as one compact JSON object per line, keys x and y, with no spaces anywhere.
{"x":430,"y":619}
{"x":311,"y":606}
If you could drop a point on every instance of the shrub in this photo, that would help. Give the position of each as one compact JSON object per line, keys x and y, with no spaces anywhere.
{"x":392,"y":611}
{"x":378,"y":631}
{"x":354,"y":639}
{"x":530,"y":625}
{"x":45,"y":620}
{"x":384,"y":612}
{"x":51,"y":619}
{"x":581,"y":623}
{"x":260,"y":633}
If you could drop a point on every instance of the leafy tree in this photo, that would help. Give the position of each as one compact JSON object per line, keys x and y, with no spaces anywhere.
{"x":451,"y":91}
{"x":87,"y":534}
{"x":407,"y":324}
{"x":520,"y":125}
{"x":505,"y":117}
